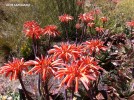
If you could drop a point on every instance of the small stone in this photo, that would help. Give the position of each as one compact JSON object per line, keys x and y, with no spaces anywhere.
{"x":9,"y":98}
{"x":4,"y":97}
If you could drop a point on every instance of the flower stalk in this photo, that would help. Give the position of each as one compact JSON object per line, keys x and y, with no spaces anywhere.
{"x":35,"y":46}
{"x":49,"y":42}
{"x":73,"y":89}
{"x":23,"y":87}
{"x":46,"y":90}
{"x":83,"y":33}
{"x":76,"y":39}
{"x":66,"y":31}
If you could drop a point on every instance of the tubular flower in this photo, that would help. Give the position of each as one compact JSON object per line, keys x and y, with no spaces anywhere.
{"x":44,"y":66}
{"x":130,"y":24}
{"x":103,"y":19}
{"x":95,"y":11}
{"x":30,"y":24}
{"x":65,"y":52}
{"x":77,"y":26}
{"x":65,"y":18}
{"x":80,"y":3}
{"x":94,"y":46}
{"x":32,"y":29}
{"x":115,"y":1}
{"x":91,"y":63}
{"x":91,"y":25}
{"x":86,"y":17}
{"x":76,"y":72}
{"x":14,"y":68}
{"x":51,"y":30}
{"x":99,"y":29}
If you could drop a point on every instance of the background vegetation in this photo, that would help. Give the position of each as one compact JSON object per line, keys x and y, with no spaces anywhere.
{"x":45,"y":12}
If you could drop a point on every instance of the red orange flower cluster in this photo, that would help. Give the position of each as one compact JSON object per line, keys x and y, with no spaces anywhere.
{"x":130,"y":24}
{"x":78,"y":26}
{"x":32,"y":29}
{"x":86,"y":17}
{"x":84,"y":70}
{"x":103,"y":19}
{"x":99,"y":29}
{"x":67,"y":60}
{"x":51,"y":30}
{"x":80,"y":3}
{"x":95,"y":46}
{"x":65,"y":52}
{"x":95,"y":12}
{"x":116,"y":1}
{"x":65,"y":18}
{"x":79,"y":69}
{"x":30,"y":24}
{"x":14,"y":68}
{"x":91,"y":24}
{"x":44,"y":66}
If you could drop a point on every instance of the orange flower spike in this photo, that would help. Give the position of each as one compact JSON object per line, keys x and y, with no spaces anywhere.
{"x":65,"y":52}
{"x":91,"y":25}
{"x":130,"y":23}
{"x":89,"y":61}
{"x":13,"y":68}
{"x":32,"y":29}
{"x":80,"y":3}
{"x":78,"y":26}
{"x":44,"y":66}
{"x":99,"y":29}
{"x":65,"y":18}
{"x":103,"y":19}
{"x":30,"y":24}
{"x":95,"y":11}
{"x":86,"y":17}
{"x":95,"y":46}
{"x":115,"y":1}
{"x":76,"y":72}
{"x":51,"y":30}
